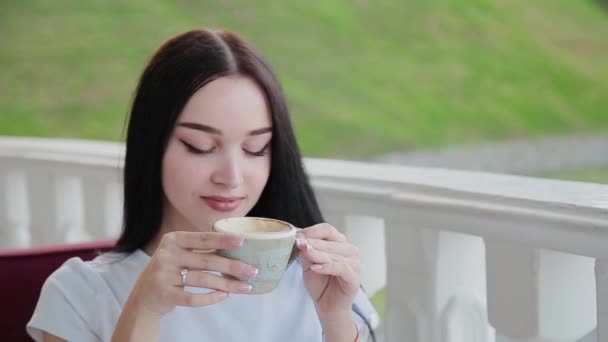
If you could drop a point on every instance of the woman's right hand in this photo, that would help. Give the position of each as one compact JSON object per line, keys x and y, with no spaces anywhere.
{"x":159,"y":288}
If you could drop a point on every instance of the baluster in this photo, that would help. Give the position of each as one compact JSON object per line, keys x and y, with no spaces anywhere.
{"x":539,"y":295}
{"x":367,"y":233}
{"x":103,"y":201}
{"x":68,"y":195}
{"x":13,"y":209}
{"x":45,"y":227}
{"x":7,"y":231}
{"x":17,"y":219}
{"x":435,"y":286}
{"x":410,"y":289}
{"x":601,"y":281}
{"x":95,"y":196}
{"x":114,"y":209}
{"x":461,"y":289}
{"x":54,"y":204}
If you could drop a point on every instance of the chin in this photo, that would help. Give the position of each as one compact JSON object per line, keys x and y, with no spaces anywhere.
{"x":213,"y":217}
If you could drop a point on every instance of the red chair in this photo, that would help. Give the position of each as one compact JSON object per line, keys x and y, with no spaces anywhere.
{"x":23,"y":272}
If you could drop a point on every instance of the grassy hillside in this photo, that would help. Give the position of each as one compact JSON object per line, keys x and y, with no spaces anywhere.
{"x":363,"y":77}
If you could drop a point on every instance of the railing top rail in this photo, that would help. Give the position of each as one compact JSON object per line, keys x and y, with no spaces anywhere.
{"x":391,"y":178}
{"x":98,"y":153}
{"x":568,"y":209}
{"x":498,"y":186}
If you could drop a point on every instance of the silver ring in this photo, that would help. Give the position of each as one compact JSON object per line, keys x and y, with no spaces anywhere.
{"x":184,"y":273}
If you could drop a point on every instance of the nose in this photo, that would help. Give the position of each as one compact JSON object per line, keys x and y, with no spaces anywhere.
{"x":228,"y":173}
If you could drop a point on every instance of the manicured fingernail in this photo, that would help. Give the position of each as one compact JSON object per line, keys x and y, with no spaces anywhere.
{"x":223,"y":295}
{"x":238,"y":241}
{"x":316,"y":267}
{"x":245,"y":287}
{"x":300,"y":242}
{"x":251,"y":272}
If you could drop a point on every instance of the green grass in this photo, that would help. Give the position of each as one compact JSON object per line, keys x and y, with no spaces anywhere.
{"x":362,"y":77}
{"x":378,"y":301}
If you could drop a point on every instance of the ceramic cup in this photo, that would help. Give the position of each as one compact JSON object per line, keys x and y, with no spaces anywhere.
{"x":268,"y":245}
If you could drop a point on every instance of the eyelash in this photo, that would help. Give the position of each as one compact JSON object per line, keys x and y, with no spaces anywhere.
{"x":260,"y":153}
{"x":194,"y":150}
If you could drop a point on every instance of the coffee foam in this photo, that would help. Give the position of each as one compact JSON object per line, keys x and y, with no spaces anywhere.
{"x":250,"y":225}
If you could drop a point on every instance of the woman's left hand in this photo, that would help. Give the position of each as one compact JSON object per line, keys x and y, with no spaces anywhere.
{"x":331,"y":268}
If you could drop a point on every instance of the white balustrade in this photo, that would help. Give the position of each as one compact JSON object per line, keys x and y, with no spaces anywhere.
{"x":463,"y":255}
{"x":13,"y":214}
{"x":368,"y":234}
{"x":601,"y":278}
{"x":555,"y":293}
{"x":58,"y":190}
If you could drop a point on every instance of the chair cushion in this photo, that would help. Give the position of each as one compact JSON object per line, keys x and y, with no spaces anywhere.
{"x":22,"y":274}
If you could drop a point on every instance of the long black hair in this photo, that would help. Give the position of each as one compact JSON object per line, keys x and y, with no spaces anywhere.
{"x":177,"y":70}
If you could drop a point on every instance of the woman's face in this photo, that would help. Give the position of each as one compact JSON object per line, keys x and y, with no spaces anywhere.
{"x":217,"y":160}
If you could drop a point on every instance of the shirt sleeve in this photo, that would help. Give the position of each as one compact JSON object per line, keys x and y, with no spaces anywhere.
{"x":363,"y":307}
{"x":65,"y":305}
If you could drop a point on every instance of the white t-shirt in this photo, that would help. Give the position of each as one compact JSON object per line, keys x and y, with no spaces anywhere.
{"x":81,"y":301}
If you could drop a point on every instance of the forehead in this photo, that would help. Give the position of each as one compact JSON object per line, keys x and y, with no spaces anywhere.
{"x":228,"y":102}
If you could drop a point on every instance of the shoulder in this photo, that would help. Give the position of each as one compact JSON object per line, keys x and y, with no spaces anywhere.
{"x":80,"y":291}
{"x":78,"y":284}
{"x":78,"y":276}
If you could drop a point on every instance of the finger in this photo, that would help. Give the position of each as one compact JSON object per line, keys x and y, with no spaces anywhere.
{"x":341,"y":248}
{"x":185,"y":298}
{"x":323,"y":231}
{"x":305,"y":263}
{"x":213,"y":262}
{"x":212,"y":281}
{"x":313,"y":255}
{"x":202,"y":241}
{"x":343,"y":270}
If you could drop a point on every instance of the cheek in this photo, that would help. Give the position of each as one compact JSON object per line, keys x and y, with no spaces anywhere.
{"x":179,"y":174}
{"x":258,"y":176}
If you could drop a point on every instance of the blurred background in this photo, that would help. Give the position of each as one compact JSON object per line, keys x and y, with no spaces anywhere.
{"x":512,"y":86}
{"x":366,"y":80}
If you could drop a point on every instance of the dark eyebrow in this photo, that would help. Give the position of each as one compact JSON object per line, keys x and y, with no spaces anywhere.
{"x":200,"y":127}
{"x":213,"y":130}
{"x":260,"y":131}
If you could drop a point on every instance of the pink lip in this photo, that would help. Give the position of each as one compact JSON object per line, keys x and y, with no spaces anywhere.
{"x":223,"y":204}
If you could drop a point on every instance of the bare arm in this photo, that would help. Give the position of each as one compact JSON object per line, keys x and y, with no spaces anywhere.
{"x":135,"y":326}
{"x":341,"y":328}
{"x":51,"y":338}
{"x":331,"y":267}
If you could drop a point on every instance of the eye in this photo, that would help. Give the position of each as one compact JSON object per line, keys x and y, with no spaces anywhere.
{"x":260,"y":153}
{"x":195,"y":150}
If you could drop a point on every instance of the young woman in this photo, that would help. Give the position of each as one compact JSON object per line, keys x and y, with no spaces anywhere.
{"x":209,"y":137}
